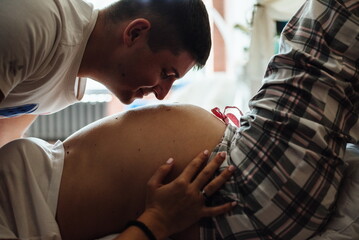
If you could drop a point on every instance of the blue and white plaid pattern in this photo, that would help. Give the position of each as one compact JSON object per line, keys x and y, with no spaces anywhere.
{"x":289,"y":148}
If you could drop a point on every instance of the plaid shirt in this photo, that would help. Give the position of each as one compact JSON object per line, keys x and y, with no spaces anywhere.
{"x":289,"y":148}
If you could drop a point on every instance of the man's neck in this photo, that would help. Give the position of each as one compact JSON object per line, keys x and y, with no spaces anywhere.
{"x":93,"y":52}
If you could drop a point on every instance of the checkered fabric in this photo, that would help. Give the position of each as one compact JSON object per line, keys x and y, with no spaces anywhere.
{"x":289,"y":148}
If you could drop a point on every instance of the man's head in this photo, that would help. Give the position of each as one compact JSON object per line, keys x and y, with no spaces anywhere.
{"x":142,"y":46}
{"x":176,"y":25}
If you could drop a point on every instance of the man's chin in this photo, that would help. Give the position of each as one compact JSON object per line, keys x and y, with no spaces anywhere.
{"x":127,"y":101}
{"x":129,"y":97}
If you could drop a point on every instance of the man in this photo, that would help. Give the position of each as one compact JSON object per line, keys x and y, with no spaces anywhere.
{"x":133,"y":47}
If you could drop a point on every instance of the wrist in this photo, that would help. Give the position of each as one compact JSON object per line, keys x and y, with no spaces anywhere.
{"x":155,"y":224}
{"x":143,"y":228}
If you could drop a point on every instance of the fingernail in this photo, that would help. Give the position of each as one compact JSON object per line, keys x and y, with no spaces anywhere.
{"x":206,"y":152}
{"x":231,"y":168}
{"x":169,"y":161}
{"x":222,"y":154}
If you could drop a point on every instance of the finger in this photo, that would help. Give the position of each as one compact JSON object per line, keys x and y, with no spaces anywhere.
{"x":218,"y":210}
{"x":207,"y":173}
{"x":218,"y":181}
{"x":157,"y":178}
{"x":194,"y":166}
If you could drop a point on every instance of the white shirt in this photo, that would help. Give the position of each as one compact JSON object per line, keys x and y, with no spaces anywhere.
{"x":41,"y":44}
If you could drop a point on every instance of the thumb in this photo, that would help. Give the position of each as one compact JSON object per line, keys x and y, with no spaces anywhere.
{"x":160,"y":174}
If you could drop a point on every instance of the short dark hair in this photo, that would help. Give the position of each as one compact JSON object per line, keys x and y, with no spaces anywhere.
{"x":176,"y":25}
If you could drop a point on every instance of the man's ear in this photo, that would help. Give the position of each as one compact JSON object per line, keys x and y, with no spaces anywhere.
{"x":135,"y":30}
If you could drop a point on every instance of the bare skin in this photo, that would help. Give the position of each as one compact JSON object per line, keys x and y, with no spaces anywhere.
{"x":108,"y":164}
{"x":15,"y":127}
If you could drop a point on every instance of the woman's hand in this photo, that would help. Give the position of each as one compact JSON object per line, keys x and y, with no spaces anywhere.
{"x":175,"y":206}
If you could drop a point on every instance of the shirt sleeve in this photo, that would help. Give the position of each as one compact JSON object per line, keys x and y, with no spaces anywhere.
{"x":5,"y":232}
{"x":26,"y":41}
{"x":13,"y":58}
